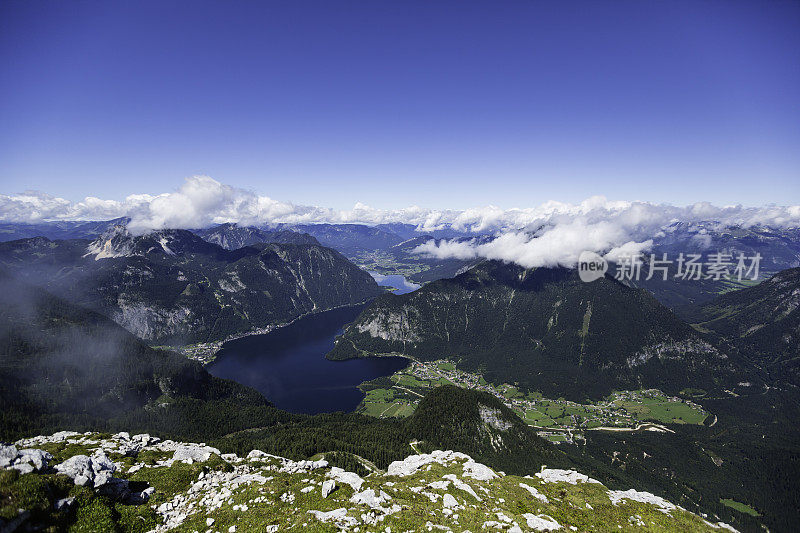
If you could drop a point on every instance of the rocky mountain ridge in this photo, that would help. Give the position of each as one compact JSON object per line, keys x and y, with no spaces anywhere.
{"x":171,"y":286}
{"x":233,"y":236}
{"x":141,"y":483}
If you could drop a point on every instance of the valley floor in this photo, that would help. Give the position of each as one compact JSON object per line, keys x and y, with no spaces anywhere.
{"x":558,"y":420}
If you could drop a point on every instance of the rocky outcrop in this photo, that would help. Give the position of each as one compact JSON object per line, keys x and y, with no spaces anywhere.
{"x":94,"y":471}
{"x":25,"y":460}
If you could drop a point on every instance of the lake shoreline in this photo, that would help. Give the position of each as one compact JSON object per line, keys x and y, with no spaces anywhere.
{"x":205,"y":353}
{"x":289,"y":367}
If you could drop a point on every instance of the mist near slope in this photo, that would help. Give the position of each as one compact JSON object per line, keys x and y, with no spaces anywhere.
{"x":60,"y":360}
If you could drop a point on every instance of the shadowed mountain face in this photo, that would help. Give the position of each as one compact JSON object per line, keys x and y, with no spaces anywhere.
{"x":480,"y":424}
{"x":543,"y":329}
{"x":64,"y":366}
{"x":233,"y":236}
{"x":172,"y":286}
{"x":763,"y":321}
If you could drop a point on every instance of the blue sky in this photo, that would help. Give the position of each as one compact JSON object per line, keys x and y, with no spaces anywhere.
{"x":439,"y":104}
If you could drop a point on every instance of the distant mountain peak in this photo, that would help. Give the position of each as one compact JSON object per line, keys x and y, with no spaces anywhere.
{"x":232,"y":236}
{"x":116,"y":241}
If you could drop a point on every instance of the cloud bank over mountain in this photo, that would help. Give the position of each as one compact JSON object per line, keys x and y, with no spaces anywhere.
{"x":549,"y":234}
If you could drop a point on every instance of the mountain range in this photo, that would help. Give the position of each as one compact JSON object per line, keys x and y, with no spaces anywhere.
{"x":389,"y":248}
{"x":171,"y":286}
{"x":779,"y":249}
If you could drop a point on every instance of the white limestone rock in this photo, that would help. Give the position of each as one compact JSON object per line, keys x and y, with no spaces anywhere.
{"x":328,"y":486}
{"x":346,"y":478}
{"x":449,"y":502}
{"x":541,"y":522}
{"x":370,"y":498}
{"x":536,"y":494}
{"x":478,"y":471}
{"x":25,"y":461}
{"x":555,"y":475}
{"x":8,"y":454}
{"x":194,"y":453}
{"x":457,"y":483}
{"x":93,"y":471}
{"x":413,"y":463}
{"x":616,"y":496}
{"x":337,"y":516}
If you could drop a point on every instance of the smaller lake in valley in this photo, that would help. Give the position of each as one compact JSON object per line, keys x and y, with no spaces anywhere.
{"x":289,"y":368}
{"x":400,"y":283}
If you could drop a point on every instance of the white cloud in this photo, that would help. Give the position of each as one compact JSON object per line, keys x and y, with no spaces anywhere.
{"x":549,"y":234}
{"x":556,"y":233}
{"x":556,"y":245}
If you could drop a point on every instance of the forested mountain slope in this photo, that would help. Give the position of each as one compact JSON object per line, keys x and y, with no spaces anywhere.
{"x":543,"y":329}
{"x":61,"y":365}
{"x":764,"y":321}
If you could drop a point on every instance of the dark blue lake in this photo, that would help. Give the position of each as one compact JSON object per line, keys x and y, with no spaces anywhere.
{"x":289,"y":368}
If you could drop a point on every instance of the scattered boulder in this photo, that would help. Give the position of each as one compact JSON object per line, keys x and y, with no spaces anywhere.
{"x":7,"y":455}
{"x":370,"y":498}
{"x":541,"y":522}
{"x":450,"y":502}
{"x":346,"y":478}
{"x":556,"y":475}
{"x":478,"y":471}
{"x":38,"y":458}
{"x":413,"y":463}
{"x":194,"y":453}
{"x":131,"y":446}
{"x":328,"y":486}
{"x":94,"y":471}
{"x":97,"y":471}
{"x":25,"y":461}
{"x":536,"y":494}
{"x":337,"y":516}
{"x":63,"y":504}
{"x":616,"y":496}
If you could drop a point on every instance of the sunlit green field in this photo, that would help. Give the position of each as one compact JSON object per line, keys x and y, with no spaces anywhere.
{"x":622,"y":409}
{"x":662,"y":410}
{"x":741,"y":507}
